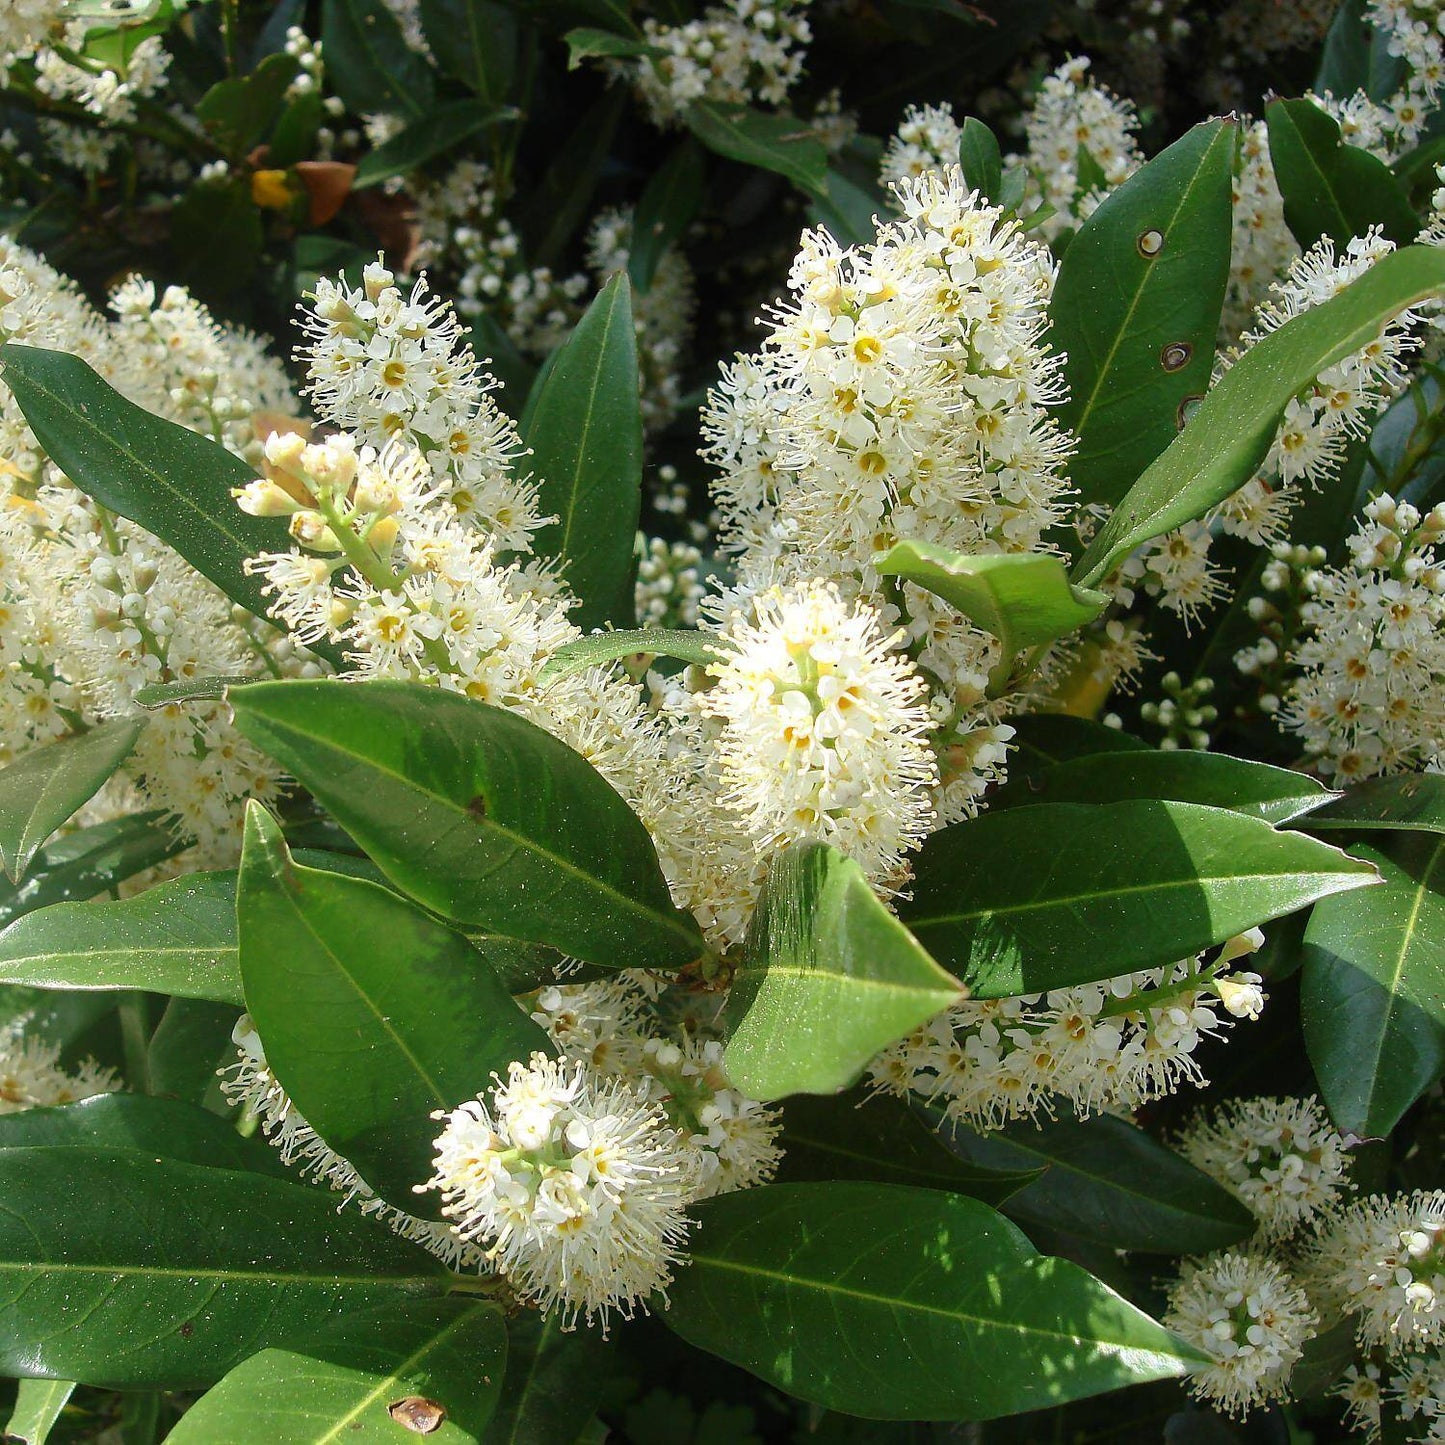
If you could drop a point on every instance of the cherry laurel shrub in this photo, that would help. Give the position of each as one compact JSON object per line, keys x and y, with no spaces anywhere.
{"x":774,"y":774}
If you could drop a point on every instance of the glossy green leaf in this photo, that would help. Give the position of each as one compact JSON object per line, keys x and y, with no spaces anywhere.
{"x":1372,"y":991}
{"x":1095,"y":891}
{"x":475,"y":41}
{"x":978,"y":155}
{"x":1136,"y":307}
{"x":1022,"y":598}
{"x":192,"y":1042}
{"x":881,"y":1140}
{"x":91,"y":860}
{"x":669,"y":201}
{"x":436,"y":133}
{"x":555,"y":1380}
{"x":44,"y":787}
{"x":38,"y":1404}
{"x":1330,"y":188}
{"x":828,"y":978}
{"x":560,"y":203}
{"x":177,"y":938}
{"x":160,"y":1128}
{"x":1105,"y":1181}
{"x":847,"y":206}
{"x":369,"y":63}
{"x":478,"y":815}
{"x":373,"y":1015}
{"x":340,"y":1385}
{"x":1412,"y":802}
{"x":194,"y":1269}
{"x":772,"y":141}
{"x":1277,"y":795}
{"x":699,"y":648}
{"x":173,"y":482}
{"x":1230,"y":434}
{"x":904,"y":1304}
{"x":585,"y":433}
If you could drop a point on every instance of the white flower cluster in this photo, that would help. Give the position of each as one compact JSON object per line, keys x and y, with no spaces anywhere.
{"x":662,"y":315}
{"x":93,"y":607}
{"x":1246,"y":1313}
{"x":31,"y":1076}
{"x":1105,"y":1046}
{"x":612,"y":1027}
{"x":742,"y":52}
{"x":902,"y":395}
{"x":1282,"y":1157}
{"x":824,"y":730}
{"x":926,"y":140}
{"x":24,"y":24}
{"x":1382,"y":1262}
{"x":464,"y":233}
{"x":250,"y":1085}
{"x":575,"y":1183}
{"x":1261,"y":246}
{"x":1370,"y":669}
{"x":669,"y":588}
{"x":1071,"y":120}
{"x":1414,"y":32}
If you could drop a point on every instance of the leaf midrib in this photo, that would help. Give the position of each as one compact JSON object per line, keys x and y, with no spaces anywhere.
{"x":916,"y":922}
{"x":521,"y":840}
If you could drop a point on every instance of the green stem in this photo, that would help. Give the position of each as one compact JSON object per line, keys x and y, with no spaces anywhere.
{"x":135,"y":1042}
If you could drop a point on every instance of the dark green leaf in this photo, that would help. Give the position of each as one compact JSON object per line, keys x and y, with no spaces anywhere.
{"x":904,"y":1304}
{"x":1412,"y":802}
{"x":216,"y":240}
{"x":173,"y":482}
{"x":847,"y":209}
{"x":668,"y":202}
{"x":369,"y":62}
{"x":240,"y":111}
{"x":1330,"y":188}
{"x":479,"y":815}
{"x":880,"y":1140}
{"x":563,"y":199}
{"x":372,"y":1014}
{"x":341,"y":1384}
{"x":978,"y":155}
{"x":775,"y":142}
{"x":1105,"y":1181}
{"x":1372,"y":992}
{"x":38,"y":1404}
{"x":555,"y":1379}
{"x":423,"y":140}
{"x":498,"y":353}
{"x":1095,"y":891}
{"x":1230,"y":434}
{"x":475,"y":41}
{"x":190,"y":1043}
{"x":43,"y":788}
{"x":1135,"y":318}
{"x":585,"y":432}
{"x":178,"y":938}
{"x":194,"y":1269}
{"x":828,"y":978}
{"x":160,"y":1128}
{"x":92,"y":860}
{"x":699,"y":648}
{"x":1022,"y":598}
{"x":1277,"y":795}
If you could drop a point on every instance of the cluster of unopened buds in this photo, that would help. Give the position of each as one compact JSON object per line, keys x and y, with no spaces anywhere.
{"x":1286,"y":581}
{"x":1182,"y":712}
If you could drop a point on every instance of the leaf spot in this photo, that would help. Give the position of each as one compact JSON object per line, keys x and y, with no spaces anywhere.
{"x":187,"y":1329}
{"x":1187,"y":408}
{"x":1176,"y":356}
{"x":1150,"y":244}
{"x":478,"y":807}
{"x":418,"y":1414}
